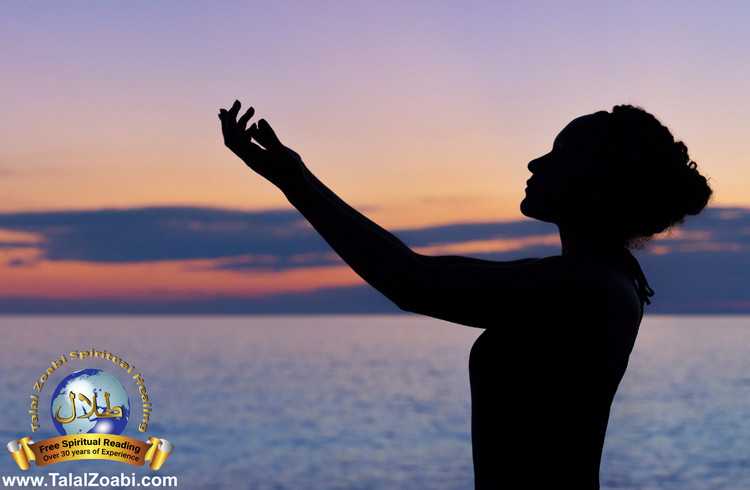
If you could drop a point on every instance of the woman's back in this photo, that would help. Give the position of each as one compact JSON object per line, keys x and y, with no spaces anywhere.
{"x":543,"y":380}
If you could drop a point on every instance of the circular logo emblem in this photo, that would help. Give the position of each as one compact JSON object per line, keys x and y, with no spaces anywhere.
{"x":90,"y":401}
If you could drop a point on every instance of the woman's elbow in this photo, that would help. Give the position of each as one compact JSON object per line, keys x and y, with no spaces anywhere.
{"x":408,"y":289}
{"x":409,"y":299}
{"x":406,"y":306}
{"x":404,"y":297}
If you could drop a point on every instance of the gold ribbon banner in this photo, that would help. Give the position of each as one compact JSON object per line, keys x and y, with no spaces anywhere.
{"x":90,"y":446}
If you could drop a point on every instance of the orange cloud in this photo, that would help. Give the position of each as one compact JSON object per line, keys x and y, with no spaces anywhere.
{"x":160,"y":280}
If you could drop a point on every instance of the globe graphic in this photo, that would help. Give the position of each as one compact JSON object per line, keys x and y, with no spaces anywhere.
{"x":89,"y":382}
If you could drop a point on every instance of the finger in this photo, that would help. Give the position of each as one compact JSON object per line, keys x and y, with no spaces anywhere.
{"x":266,"y":135}
{"x":224,"y":116}
{"x":252,"y":130}
{"x":235,"y":109}
{"x":243,"y":120}
{"x":254,"y":151}
{"x":226,"y":126}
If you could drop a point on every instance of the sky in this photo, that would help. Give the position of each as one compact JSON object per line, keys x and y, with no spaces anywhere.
{"x":419,"y":114}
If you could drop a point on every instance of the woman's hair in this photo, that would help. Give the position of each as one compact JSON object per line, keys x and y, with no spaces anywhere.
{"x":653,"y":182}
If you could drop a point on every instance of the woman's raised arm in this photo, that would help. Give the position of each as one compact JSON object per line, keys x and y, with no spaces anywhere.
{"x":463,"y":290}
{"x":380,"y":258}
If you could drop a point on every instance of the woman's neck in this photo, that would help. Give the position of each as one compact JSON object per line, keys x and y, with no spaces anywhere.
{"x":584,"y":243}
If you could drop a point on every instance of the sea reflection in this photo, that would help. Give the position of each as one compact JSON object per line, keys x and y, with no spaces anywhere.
{"x":377,"y":402}
{"x":272,"y":402}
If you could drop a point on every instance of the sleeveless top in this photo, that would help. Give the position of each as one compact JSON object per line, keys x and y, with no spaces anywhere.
{"x":540,"y":412}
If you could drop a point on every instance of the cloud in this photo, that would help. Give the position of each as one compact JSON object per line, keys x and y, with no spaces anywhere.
{"x":242,"y":240}
{"x":14,"y":244}
{"x":20,"y":262}
{"x":701,"y":266}
{"x":164,"y":233}
{"x":340,"y":300}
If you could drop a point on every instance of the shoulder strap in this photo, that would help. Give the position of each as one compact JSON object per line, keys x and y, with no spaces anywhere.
{"x":644,"y":289}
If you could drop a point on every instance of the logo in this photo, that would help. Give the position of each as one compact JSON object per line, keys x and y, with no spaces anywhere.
{"x":81,"y":393}
{"x":90,"y":409}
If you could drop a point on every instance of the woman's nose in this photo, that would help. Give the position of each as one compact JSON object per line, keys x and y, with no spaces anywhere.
{"x":535,"y":165}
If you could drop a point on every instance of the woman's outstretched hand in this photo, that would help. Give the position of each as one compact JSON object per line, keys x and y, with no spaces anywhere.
{"x":273,"y":160}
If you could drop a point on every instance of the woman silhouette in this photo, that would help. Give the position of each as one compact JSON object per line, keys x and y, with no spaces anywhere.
{"x":558,"y":331}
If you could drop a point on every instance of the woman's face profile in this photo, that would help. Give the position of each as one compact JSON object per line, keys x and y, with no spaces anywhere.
{"x":565,"y":176}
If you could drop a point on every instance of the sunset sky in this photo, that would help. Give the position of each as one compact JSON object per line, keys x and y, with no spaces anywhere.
{"x":419,"y":114}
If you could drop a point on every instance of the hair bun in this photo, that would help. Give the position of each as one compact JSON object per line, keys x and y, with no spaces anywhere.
{"x":644,"y":155}
{"x":696,"y":190}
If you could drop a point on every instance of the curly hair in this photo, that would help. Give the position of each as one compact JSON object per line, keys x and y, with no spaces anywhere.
{"x":653,"y":183}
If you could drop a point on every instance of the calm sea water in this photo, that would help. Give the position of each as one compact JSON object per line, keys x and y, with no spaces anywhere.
{"x":378,"y":402}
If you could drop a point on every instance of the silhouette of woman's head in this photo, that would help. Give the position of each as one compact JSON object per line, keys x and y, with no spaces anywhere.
{"x":619,"y":174}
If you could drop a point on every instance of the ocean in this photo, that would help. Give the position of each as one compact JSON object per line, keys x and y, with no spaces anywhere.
{"x":374,"y":402}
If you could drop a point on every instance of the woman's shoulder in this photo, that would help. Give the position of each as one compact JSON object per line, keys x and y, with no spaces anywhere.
{"x":608,"y":284}
{"x":604,"y":281}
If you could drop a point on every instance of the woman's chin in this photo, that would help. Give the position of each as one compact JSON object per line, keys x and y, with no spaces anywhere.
{"x":526,"y":208}
{"x":529,"y":209}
